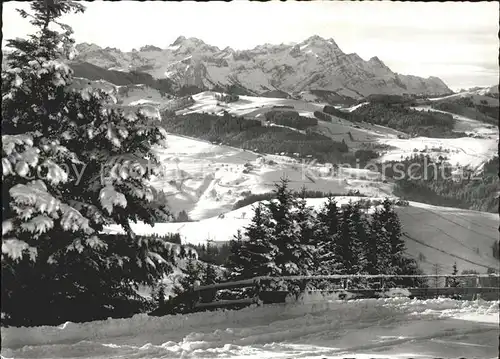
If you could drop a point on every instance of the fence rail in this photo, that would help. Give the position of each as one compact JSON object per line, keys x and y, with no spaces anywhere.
{"x":258,"y":294}
{"x":246,"y":282}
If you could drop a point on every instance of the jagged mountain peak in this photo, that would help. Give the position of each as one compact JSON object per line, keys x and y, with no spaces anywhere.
{"x":86,"y":47}
{"x":150,"y":48}
{"x":192,"y":44}
{"x":228,"y":49}
{"x":189,"y":41}
{"x":108,"y":48}
{"x":178,"y":41}
{"x":315,"y":38}
{"x":376,"y":61}
{"x":315,"y":63}
{"x":355,"y":57}
{"x":320,"y":47}
{"x":318,"y":40}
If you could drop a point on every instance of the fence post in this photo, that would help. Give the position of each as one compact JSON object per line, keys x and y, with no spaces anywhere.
{"x":478,"y":285}
{"x":258,"y":290}
{"x":437,"y":269}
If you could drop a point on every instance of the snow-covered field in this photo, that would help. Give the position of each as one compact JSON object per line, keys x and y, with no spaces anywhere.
{"x":206,"y":179}
{"x":249,"y":106}
{"x":478,"y":96}
{"x":466,"y":151}
{"x":315,"y":327}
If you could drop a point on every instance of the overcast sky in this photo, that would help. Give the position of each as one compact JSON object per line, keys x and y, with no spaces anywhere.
{"x":456,"y":41}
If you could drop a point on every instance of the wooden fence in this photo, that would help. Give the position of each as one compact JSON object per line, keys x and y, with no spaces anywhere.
{"x":257,"y":290}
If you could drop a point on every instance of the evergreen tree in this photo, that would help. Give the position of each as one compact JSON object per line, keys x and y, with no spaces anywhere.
{"x":255,"y":251}
{"x":209,"y":275}
{"x":172,"y":255}
{"x":309,"y":235}
{"x":285,"y":234}
{"x":329,"y":215}
{"x":71,"y":166}
{"x":360,"y":241}
{"x":409,"y":266}
{"x":235,"y":262}
{"x":191,"y":277}
{"x":346,"y":239}
{"x":328,"y":258}
{"x":372,"y":247}
{"x":396,"y":261}
{"x":453,"y":281}
{"x":182,"y":217}
{"x":393,"y":229}
{"x":159,"y":295}
{"x":495,"y":249}
{"x":184,"y":290}
{"x":378,"y":248}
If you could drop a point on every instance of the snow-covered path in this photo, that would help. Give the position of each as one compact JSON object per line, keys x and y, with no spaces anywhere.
{"x":313,"y":328}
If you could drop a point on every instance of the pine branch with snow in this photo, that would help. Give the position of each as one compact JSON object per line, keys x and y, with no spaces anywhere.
{"x":70,"y":166}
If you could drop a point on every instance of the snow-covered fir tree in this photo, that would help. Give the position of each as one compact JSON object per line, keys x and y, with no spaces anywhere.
{"x":330,"y":262}
{"x":309,"y":234}
{"x":333,"y":240}
{"x":191,"y":277}
{"x":235,"y":263}
{"x":346,"y":241}
{"x":285,"y":234}
{"x":453,"y":281}
{"x":361,"y":238}
{"x":392,"y":249}
{"x":329,"y":215}
{"x":393,"y":229}
{"x":185,"y":297}
{"x":372,"y":245}
{"x":208,"y":274}
{"x":254,"y":253}
{"x":379,"y":249}
{"x":69,"y":167}
{"x":159,"y":294}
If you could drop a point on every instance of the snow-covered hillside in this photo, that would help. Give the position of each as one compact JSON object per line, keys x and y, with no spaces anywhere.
{"x":315,"y":327}
{"x":486,"y":96}
{"x":467,"y":151}
{"x":206,"y":179}
{"x":129,"y":99}
{"x":470,"y":151}
{"x":315,"y":63}
{"x":464,"y":124}
{"x":249,"y":106}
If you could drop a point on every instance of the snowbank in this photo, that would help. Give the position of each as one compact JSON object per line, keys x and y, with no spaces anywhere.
{"x":309,"y":326}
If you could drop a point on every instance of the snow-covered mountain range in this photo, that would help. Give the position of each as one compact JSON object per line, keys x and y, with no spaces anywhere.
{"x":314,"y":64}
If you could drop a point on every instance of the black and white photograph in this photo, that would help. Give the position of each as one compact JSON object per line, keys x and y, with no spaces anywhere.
{"x":250,"y":180}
